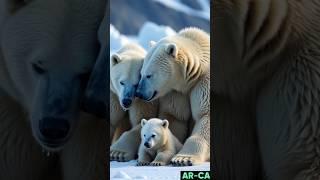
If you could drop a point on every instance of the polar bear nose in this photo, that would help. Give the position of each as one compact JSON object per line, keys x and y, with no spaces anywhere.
{"x":146,"y":144}
{"x":53,"y":130}
{"x":126,"y":102}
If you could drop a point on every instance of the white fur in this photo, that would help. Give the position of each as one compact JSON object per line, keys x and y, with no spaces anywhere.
{"x":125,"y":66}
{"x":181,"y":79}
{"x":163,"y":144}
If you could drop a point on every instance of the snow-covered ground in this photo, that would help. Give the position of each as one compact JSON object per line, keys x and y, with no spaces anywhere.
{"x":128,"y":171}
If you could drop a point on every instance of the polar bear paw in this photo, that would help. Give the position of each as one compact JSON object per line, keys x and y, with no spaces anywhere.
{"x":121,"y":156}
{"x":157,"y":163}
{"x":185,"y":160}
{"x":143,"y":163}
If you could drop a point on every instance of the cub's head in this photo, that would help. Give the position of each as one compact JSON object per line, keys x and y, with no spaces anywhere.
{"x":160,"y":72}
{"x":125,"y":69}
{"x":154,"y":132}
{"x":49,"y":48}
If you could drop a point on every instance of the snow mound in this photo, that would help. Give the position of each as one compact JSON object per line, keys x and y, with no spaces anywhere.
{"x":121,"y":175}
{"x":153,"y":32}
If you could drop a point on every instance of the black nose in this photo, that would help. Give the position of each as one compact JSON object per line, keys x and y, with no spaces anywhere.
{"x":147,"y":145}
{"x":54,"y":129}
{"x":126,"y":102}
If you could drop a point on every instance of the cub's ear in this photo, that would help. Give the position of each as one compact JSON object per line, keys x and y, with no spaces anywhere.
{"x":172,"y":50}
{"x":152,"y":43}
{"x":115,"y":59}
{"x":143,"y":122}
{"x":165,"y":123}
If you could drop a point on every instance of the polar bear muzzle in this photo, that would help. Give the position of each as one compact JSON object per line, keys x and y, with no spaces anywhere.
{"x":128,"y":96}
{"x":55,"y":109}
{"x":145,"y":93}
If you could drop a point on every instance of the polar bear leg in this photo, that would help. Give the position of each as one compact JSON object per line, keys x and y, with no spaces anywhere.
{"x":196,"y":149}
{"x":112,"y":132}
{"x":179,"y":128}
{"x":144,"y":158}
{"x":119,"y":129}
{"x":162,"y":158}
{"x":84,"y":157}
{"x":126,"y":147}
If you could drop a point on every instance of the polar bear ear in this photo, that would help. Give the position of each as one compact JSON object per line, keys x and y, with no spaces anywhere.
{"x":115,"y":59}
{"x":152,"y":43}
{"x":165,"y":123}
{"x":143,"y":122}
{"x":172,"y":50}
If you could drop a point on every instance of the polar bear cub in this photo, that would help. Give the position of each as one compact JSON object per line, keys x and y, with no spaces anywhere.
{"x":158,"y":144}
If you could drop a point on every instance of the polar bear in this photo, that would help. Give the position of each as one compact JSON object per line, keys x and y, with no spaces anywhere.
{"x":125,"y":66}
{"x":45,"y":62}
{"x":158,"y":145}
{"x":176,"y":70}
{"x":266,"y":89}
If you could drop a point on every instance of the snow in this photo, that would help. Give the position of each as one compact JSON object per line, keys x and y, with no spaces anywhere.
{"x":116,"y":39}
{"x":153,"y":32}
{"x":128,"y":171}
{"x":178,"y":6}
{"x":148,"y":32}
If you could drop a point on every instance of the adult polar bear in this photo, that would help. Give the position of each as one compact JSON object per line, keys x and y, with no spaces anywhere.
{"x":177,"y":71}
{"x":266,"y":89}
{"x":125,"y":66}
{"x":47,"y":48}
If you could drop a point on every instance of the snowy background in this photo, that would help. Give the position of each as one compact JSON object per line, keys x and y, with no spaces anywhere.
{"x":142,"y":21}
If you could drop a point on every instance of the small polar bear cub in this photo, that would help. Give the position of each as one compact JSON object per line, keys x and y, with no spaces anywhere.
{"x":158,"y":144}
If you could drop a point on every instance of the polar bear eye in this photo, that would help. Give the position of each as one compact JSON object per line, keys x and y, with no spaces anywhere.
{"x":122,"y":83}
{"x":153,"y":135}
{"x":148,"y":76}
{"x":144,"y":135}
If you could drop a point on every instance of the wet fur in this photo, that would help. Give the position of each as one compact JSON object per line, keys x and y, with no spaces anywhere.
{"x":266,"y":86}
{"x":82,"y":157}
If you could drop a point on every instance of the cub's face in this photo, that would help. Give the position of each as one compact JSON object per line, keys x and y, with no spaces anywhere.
{"x":153,"y":132}
{"x":124,"y":75}
{"x":158,"y":73}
